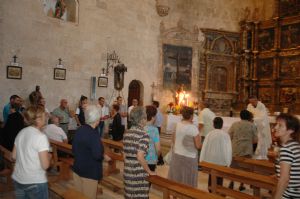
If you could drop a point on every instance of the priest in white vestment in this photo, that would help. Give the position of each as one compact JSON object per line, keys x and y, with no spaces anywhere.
{"x":261,"y":120}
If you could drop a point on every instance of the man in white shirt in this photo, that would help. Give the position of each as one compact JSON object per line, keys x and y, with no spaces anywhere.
{"x":54,"y":132}
{"x":206,"y":117}
{"x":261,"y":120}
{"x":104,"y":115}
{"x":135,"y":103}
{"x":217,"y":148}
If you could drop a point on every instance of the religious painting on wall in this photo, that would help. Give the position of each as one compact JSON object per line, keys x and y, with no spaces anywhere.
{"x":265,"y":39}
{"x":61,"y":9}
{"x":290,"y":36}
{"x":288,"y":95}
{"x":289,"y":8}
{"x":290,"y":67}
{"x":265,"y":95}
{"x":265,"y":68}
{"x":218,"y":79}
{"x":177,"y":66}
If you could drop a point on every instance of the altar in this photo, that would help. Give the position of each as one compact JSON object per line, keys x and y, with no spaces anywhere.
{"x":172,"y":120}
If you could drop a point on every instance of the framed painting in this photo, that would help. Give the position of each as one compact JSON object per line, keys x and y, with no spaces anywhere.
{"x":59,"y":74}
{"x":102,"y":81}
{"x":14,"y":72}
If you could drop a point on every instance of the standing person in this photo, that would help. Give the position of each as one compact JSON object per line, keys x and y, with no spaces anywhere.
{"x":206,"y":117}
{"x":14,"y":99}
{"x":159,"y":117}
{"x":14,"y":124}
{"x":104,"y":115}
{"x":63,"y":113}
{"x":32,"y":158}
{"x":88,"y":154}
{"x":154,"y":144}
{"x":288,"y":163}
{"x":79,"y":114}
{"x":216,"y":148}
{"x":135,"y":103}
{"x":116,"y":128}
{"x":186,"y":142}
{"x":261,"y":119}
{"x":136,"y":144}
{"x":122,"y":111}
{"x":243,"y":134}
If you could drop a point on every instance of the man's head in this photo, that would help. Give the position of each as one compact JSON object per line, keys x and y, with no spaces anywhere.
{"x":246,"y":115}
{"x":15,"y":99}
{"x":119,"y":100}
{"x":63,"y":103}
{"x":253,"y":100}
{"x":101,"y":101}
{"x":135,"y":102}
{"x":155,"y":103}
{"x":218,"y":122}
{"x":203,"y":104}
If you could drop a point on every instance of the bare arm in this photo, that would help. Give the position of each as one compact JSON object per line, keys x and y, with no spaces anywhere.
{"x":158,"y":148}
{"x":45,"y":157}
{"x":283,"y":180}
{"x":143,"y":162}
{"x":14,"y":153}
{"x":197,"y":141}
{"x":77,"y":120}
{"x":200,"y":126}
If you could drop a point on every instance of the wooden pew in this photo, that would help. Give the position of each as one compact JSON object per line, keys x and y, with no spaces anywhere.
{"x":63,"y":163}
{"x":264,"y":167}
{"x":257,"y":181}
{"x":110,"y":146}
{"x":69,"y":193}
{"x":9,"y":167}
{"x":178,"y":190}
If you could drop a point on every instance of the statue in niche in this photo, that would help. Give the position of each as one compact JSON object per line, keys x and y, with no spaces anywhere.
{"x":60,"y":8}
{"x":119,"y":71}
{"x":35,"y":96}
{"x":290,"y":36}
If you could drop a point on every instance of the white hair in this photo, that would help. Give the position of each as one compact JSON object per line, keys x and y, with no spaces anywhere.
{"x":92,"y":114}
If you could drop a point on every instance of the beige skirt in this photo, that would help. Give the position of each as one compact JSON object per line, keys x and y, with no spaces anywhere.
{"x":184,"y":170}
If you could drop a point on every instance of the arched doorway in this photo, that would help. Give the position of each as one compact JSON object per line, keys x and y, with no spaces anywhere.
{"x":135,"y":91}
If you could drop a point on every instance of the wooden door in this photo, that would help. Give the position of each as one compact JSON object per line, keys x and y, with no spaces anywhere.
{"x":134,"y":92}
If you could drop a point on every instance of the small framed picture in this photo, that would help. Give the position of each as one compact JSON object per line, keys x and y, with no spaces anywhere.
{"x":14,"y":72}
{"x":102,"y":81}
{"x":59,"y":73}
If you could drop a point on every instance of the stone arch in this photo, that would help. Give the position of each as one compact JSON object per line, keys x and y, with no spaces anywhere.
{"x":135,"y":91}
{"x":222,"y":45}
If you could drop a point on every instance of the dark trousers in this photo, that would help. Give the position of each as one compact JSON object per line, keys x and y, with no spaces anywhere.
{"x":100,"y":128}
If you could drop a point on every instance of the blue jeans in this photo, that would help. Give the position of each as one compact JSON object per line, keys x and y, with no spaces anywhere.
{"x":31,"y":191}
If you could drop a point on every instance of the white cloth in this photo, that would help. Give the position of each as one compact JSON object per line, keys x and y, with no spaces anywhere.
{"x":206,"y":118}
{"x":184,"y":140}
{"x":217,"y":148}
{"x":261,"y":120}
{"x":28,"y":169}
{"x":77,"y":111}
{"x":54,"y":132}
{"x":104,"y":111}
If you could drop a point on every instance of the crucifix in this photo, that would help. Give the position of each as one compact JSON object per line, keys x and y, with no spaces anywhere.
{"x":15,"y":58}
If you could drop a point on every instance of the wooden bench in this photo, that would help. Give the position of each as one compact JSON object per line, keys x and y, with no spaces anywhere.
{"x":9,"y":167}
{"x":62,"y":192}
{"x":110,"y":148}
{"x":63,"y":163}
{"x":178,"y":190}
{"x":257,"y":181}
{"x":264,"y":167}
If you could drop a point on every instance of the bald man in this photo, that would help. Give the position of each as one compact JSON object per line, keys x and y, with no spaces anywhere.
{"x":63,"y":113}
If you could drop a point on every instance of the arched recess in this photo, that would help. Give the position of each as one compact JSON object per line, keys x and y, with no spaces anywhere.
{"x":135,"y":91}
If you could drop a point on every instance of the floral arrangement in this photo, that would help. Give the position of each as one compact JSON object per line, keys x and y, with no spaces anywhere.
{"x":173,"y":109}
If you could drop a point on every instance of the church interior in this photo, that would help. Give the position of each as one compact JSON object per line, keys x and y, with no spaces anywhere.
{"x":177,"y":52}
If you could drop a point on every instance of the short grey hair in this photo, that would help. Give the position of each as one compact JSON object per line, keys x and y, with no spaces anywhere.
{"x":137,"y":114}
{"x":92,"y":114}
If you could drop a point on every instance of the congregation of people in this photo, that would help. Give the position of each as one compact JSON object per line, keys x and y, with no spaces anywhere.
{"x":27,"y":131}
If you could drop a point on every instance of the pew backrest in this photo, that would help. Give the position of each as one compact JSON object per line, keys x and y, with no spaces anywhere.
{"x":264,"y":167}
{"x":178,"y":190}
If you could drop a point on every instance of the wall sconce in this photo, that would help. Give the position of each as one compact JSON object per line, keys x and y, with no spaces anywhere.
{"x":112,"y":59}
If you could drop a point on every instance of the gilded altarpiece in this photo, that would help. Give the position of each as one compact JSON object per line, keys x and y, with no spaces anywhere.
{"x":219,"y":62}
{"x":270,"y":64}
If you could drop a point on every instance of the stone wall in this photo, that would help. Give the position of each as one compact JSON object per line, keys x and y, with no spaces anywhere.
{"x":130,"y":27}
